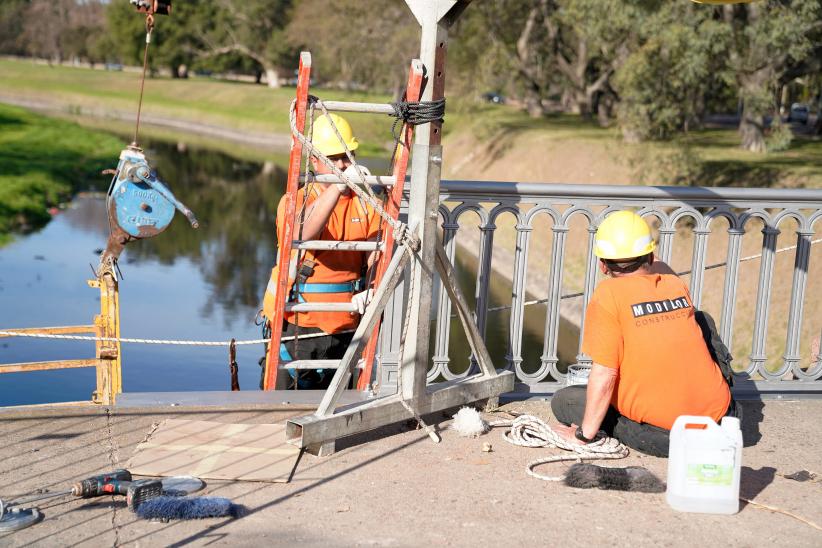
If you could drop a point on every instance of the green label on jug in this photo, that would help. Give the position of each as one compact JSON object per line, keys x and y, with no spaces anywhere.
{"x":710,"y":474}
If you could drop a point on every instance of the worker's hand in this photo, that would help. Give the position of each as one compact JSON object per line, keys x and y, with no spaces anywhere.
{"x":360,"y":300}
{"x":568,"y":433}
{"x":351,"y":173}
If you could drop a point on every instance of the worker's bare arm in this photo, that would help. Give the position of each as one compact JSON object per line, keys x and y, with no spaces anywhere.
{"x":601,"y":383}
{"x":317,"y":214}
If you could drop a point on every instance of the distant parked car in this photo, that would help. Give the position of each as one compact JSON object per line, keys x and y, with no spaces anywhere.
{"x":493,"y":97}
{"x":114,"y":66}
{"x":799,"y":113}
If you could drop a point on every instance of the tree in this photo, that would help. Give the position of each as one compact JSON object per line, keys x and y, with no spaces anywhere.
{"x":250,"y":28}
{"x":664,"y":84}
{"x":368,"y":43}
{"x":591,"y":40}
{"x":567,"y":48}
{"x":770,"y":39}
{"x":12,"y":15}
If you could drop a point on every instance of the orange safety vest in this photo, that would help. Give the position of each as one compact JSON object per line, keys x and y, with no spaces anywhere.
{"x":351,"y":220}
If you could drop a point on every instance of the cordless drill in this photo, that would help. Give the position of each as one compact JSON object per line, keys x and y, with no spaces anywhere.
{"x":119,"y":482}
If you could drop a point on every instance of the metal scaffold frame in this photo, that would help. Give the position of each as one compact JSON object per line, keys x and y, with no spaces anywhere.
{"x":423,"y":254}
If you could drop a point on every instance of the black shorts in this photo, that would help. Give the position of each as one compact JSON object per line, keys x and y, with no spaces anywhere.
{"x":311,"y":344}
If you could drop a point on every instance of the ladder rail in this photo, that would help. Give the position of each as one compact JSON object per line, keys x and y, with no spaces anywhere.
{"x":413,"y":93}
{"x":365,"y":108}
{"x":284,"y":255}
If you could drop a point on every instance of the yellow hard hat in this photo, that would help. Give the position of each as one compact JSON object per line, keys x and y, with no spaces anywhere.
{"x":623,"y":235}
{"x":325,"y":139}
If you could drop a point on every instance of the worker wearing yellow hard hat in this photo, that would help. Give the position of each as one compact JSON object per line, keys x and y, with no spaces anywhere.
{"x":328,"y":211}
{"x":653,"y":355}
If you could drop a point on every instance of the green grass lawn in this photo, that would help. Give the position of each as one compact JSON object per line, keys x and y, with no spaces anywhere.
{"x":237,"y":105}
{"x":42,"y":162}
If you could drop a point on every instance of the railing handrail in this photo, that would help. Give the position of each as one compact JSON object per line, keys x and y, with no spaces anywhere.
{"x":639,"y":193}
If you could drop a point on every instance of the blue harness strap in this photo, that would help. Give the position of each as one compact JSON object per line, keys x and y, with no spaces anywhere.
{"x":344,"y":287}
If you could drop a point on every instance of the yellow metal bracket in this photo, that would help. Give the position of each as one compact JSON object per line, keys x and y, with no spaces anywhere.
{"x":107,"y":359}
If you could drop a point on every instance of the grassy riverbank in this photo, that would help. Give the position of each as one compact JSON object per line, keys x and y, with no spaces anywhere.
{"x":483,"y":141}
{"x":42,"y":162}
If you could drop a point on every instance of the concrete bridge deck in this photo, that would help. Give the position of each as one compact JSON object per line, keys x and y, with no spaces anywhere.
{"x":395,"y":487}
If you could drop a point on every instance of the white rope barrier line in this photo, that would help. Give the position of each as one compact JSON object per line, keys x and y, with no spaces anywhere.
{"x":152,"y":341}
{"x":683,"y":273}
{"x":531,"y":431}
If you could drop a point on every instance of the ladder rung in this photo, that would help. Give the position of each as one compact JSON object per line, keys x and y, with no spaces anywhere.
{"x":337,"y":245}
{"x":311,"y":364}
{"x":320,"y":307}
{"x":376,"y":180}
{"x":347,"y":106}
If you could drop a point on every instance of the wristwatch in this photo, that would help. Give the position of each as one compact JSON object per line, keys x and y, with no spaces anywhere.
{"x":578,"y":434}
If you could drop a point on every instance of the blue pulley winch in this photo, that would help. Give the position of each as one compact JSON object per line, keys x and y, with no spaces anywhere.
{"x":139,"y":204}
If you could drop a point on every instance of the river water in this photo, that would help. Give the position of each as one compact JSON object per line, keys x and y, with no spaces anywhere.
{"x":203,"y":284}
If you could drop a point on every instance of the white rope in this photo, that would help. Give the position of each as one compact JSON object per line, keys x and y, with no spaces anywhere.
{"x":531,"y":431}
{"x":683,"y":273}
{"x":150,"y":341}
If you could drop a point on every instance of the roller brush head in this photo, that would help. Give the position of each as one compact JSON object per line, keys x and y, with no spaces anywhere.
{"x":167,"y":508}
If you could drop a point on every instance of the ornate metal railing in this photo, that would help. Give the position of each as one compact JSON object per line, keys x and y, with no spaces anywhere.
{"x":678,"y":212}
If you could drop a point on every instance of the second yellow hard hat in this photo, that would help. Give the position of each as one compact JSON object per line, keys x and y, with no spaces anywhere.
{"x":623,"y":235}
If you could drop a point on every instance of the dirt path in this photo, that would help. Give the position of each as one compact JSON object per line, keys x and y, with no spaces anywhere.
{"x":280,"y":142}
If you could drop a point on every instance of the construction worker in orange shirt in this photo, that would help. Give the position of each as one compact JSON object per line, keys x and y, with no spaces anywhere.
{"x":654,"y":357}
{"x":324,"y":212}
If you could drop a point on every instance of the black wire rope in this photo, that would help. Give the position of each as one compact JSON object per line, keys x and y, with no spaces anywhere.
{"x":416,"y":113}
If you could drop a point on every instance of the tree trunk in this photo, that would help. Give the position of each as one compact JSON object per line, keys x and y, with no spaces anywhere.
{"x":756,"y":102}
{"x":533,"y":105}
{"x":272,"y":77}
{"x":751,"y":130}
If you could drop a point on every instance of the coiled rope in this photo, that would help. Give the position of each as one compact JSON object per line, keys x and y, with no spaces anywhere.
{"x":421,"y":112}
{"x":531,"y":431}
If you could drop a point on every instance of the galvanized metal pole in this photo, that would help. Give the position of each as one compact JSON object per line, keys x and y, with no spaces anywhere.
{"x":434,"y":17}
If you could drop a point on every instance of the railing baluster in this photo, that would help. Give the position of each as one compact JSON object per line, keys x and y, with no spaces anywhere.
{"x":549,"y":357}
{"x":590,"y":283}
{"x":726,"y":323}
{"x":483,"y":281}
{"x":698,"y":264}
{"x":666,"y":237}
{"x":441,"y":359}
{"x":796,"y":313}
{"x":514,"y":356}
{"x":758,"y":357}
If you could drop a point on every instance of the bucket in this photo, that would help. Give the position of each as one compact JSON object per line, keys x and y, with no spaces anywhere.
{"x":704,"y":462}
{"x":577,"y":374}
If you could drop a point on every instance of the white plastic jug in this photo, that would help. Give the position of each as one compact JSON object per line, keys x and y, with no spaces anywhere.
{"x":704,"y":461}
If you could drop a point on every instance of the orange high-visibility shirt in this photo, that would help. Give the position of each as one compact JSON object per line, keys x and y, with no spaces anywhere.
{"x":644,"y":327}
{"x":351,"y":220}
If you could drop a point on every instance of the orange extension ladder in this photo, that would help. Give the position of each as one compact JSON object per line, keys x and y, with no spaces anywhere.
{"x":289,"y":244}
